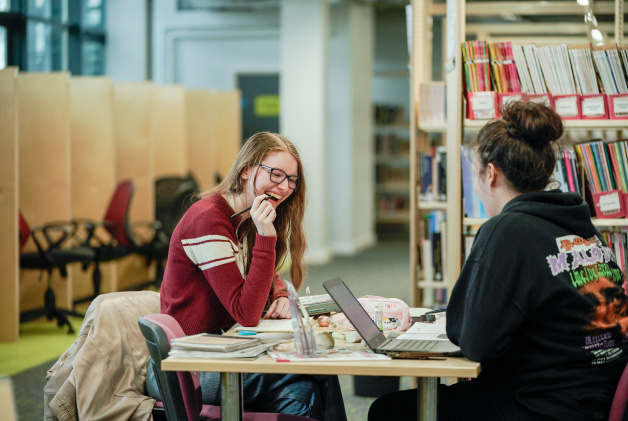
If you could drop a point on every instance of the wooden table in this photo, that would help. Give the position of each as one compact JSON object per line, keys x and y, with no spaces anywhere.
{"x":427,"y":372}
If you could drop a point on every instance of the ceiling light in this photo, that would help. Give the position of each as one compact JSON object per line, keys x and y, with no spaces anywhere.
{"x":583,"y":2}
{"x":597,"y":35}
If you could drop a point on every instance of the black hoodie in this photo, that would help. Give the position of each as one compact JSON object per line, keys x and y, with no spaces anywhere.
{"x":540,"y":303}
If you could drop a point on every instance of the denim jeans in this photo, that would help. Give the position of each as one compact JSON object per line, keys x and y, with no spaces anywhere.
{"x":317,"y":397}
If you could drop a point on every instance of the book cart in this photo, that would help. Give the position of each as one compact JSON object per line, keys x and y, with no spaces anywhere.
{"x":428,"y":286}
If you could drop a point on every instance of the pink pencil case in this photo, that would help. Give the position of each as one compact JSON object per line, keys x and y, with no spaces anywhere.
{"x":395,"y":313}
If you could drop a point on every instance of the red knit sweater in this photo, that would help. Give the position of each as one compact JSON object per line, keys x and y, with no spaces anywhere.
{"x":203,"y":287}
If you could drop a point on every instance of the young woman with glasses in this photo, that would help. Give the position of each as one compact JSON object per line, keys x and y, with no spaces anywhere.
{"x":222,"y":269}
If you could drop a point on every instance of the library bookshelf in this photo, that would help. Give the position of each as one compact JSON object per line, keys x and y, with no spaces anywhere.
{"x":392,"y":157}
{"x":455,"y":127}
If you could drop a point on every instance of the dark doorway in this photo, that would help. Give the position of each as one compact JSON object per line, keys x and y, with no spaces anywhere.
{"x":260,"y":103}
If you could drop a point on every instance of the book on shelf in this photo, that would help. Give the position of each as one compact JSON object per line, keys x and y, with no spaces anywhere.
{"x":583,"y":69}
{"x":476,"y":60}
{"x":503,"y":67}
{"x":603,"y":166}
{"x":595,"y":158}
{"x":434,"y":224}
{"x":432,"y":106}
{"x":472,"y":205}
{"x":432,"y":174}
{"x":608,"y":63}
{"x":566,"y":171}
{"x":557,"y":70}
{"x":211,"y":342}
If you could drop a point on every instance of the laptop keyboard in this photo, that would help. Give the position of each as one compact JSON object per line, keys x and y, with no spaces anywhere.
{"x":408,"y":345}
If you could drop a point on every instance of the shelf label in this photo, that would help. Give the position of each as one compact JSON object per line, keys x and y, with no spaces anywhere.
{"x":510,"y":98}
{"x":483,"y":104}
{"x":566,"y":106}
{"x":610,"y":203}
{"x":540,"y":99}
{"x":593,"y":106}
{"x":620,"y":105}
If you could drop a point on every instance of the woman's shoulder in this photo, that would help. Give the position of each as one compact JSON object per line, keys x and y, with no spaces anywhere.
{"x":210,"y":212}
{"x":210,"y":205}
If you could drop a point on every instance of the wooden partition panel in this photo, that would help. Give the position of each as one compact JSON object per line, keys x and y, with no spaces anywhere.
{"x":227,"y":136}
{"x":200,"y":122}
{"x":9,"y":230}
{"x":44,"y":170}
{"x":168,"y":130}
{"x":134,"y":152}
{"x":92,"y":164}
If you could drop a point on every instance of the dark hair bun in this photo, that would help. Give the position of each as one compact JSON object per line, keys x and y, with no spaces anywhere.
{"x":533,"y":123}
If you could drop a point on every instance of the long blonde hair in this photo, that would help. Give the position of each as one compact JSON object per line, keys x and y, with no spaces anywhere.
{"x":290,"y":214}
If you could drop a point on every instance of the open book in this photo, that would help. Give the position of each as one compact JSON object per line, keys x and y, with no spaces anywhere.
{"x":211,"y":342}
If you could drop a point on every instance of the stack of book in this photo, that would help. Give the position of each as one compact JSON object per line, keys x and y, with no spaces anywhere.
{"x":583,"y":69}
{"x":605,"y":168}
{"x":528,"y":69}
{"x":566,"y":172}
{"x":206,"y":345}
{"x":608,"y":63}
{"x":504,"y":69}
{"x":475,"y":56}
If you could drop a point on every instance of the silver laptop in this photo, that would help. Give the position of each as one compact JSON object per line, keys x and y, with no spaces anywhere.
{"x":375,"y":339}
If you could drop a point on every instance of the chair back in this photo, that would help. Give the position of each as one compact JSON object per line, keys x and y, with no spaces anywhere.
{"x":180,"y":391}
{"x":117,"y":216}
{"x":173,"y":196}
{"x":25,"y":230}
{"x":618,"y":409}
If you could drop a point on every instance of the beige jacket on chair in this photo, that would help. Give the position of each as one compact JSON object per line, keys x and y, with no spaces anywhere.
{"x":102,"y":375}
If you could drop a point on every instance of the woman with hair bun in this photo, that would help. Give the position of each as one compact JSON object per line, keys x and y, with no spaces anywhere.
{"x":539,"y":301}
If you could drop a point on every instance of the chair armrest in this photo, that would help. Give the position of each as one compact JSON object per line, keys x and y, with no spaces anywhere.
{"x":55,"y":234}
{"x":158,"y":234}
{"x":90,"y":226}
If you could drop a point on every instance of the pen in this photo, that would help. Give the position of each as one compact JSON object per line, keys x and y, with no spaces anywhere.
{"x":440,"y":310}
{"x":247,"y":332}
{"x":248,"y":208}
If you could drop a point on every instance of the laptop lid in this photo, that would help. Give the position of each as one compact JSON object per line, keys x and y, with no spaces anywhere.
{"x":354,"y":311}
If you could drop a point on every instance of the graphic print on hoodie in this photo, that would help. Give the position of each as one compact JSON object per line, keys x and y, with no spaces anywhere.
{"x":586,"y":261}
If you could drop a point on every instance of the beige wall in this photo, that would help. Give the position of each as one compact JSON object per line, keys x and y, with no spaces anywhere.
{"x":92,"y":154}
{"x":44,"y":169}
{"x":9,"y":267}
{"x":135,"y":153}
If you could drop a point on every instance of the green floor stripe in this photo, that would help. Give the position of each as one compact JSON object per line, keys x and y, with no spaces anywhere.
{"x":40,"y":341}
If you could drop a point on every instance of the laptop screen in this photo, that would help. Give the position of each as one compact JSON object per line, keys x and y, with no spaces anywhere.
{"x":354,"y":311}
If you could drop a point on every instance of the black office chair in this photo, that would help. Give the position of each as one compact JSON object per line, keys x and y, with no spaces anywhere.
{"x":173,"y":197}
{"x":57,"y":247}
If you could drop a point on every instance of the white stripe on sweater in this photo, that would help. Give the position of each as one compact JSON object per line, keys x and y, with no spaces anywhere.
{"x":210,"y":251}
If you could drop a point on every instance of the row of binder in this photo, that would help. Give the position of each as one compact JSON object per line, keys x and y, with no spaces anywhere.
{"x":578,"y":81}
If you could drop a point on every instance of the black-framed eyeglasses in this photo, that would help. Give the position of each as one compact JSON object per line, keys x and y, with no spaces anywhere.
{"x":277,"y":176}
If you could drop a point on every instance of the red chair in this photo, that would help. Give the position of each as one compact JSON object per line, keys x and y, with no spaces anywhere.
{"x":57,"y":247}
{"x":181,"y":390}
{"x":118,"y":239}
{"x":620,"y":401}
